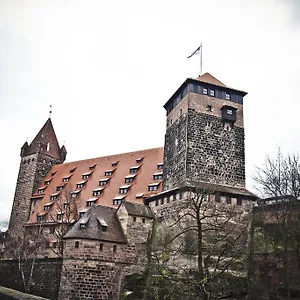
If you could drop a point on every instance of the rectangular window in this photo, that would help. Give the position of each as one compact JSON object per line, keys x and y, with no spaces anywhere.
{"x":40,"y":191}
{"x":66,"y":205}
{"x":47,"y":207}
{"x":92,"y":167}
{"x":124,"y":191}
{"x":117,"y":201}
{"x":86,"y":176}
{"x":157,"y":177}
{"x":115,"y":248}
{"x":160,"y":166}
{"x":101,"y":247}
{"x":108,"y":173}
{"x":59,"y":216}
{"x":54,"y":245}
{"x":227,"y":96}
{"x":81,"y":214}
{"x":239,"y":201}
{"x":162,"y":201}
{"x":90,"y":203}
{"x":156,"y":203}
{"x":103,"y":228}
{"x":53,"y":197}
{"x":97,"y":193}
{"x":79,"y":185}
{"x":229,"y":112}
{"x":144,"y":220}
{"x":103,"y":182}
{"x":65,"y":179}
{"x":152,"y":188}
{"x":204,"y":91}
{"x":82,"y":225}
{"x":134,"y":219}
{"x":228,"y":200}
{"x":168,"y":199}
{"x":212,"y":93}
{"x":76,"y":244}
{"x":129,"y":179}
{"x":59,"y":188}
{"x":133,"y":170}
{"x":47,"y":182}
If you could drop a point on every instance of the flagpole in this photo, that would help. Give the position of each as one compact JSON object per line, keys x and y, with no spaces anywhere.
{"x":201,"y":60}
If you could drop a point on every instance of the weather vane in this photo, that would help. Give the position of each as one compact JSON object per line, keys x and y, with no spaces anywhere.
{"x":50,"y":111}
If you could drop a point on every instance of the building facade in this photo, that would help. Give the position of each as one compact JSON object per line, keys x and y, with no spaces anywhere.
{"x":109,"y":202}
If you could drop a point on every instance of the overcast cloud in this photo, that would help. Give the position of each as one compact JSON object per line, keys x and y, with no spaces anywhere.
{"x":108,"y":67}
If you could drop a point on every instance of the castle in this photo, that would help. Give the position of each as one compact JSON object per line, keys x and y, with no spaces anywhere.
{"x":110,"y":202}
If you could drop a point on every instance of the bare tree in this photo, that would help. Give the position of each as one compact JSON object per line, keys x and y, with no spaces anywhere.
{"x":61,"y":217}
{"x":197,"y":251}
{"x":275,"y":234}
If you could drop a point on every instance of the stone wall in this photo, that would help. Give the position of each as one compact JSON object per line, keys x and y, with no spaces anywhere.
{"x":95,"y":269}
{"x":45,"y":280}
{"x":33,"y":169}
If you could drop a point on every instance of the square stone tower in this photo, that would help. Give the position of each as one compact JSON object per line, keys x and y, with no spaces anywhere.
{"x":204,"y":139}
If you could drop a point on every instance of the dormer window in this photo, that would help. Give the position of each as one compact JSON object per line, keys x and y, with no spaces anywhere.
{"x":72,"y":170}
{"x":103,"y":224}
{"x":113,"y":164}
{"x":82,"y":212}
{"x":59,"y":216}
{"x":212,"y":93}
{"x":139,"y":160}
{"x":91,"y":202}
{"x":83,"y":222}
{"x":47,"y":206}
{"x":204,"y":91}
{"x":228,"y":114}
{"x":66,"y":205}
{"x":66,"y":178}
{"x":140,"y":195}
{"x":158,"y":176}
{"x":74,"y":194}
{"x":103,"y":181}
{"x":108,"y":172}
{"x":80,"y":184}
{"x":124,"y":189}
{"x":54,"y":196}
{"x":134,"y":169}
{"x":227,"y":96}
{"x":153,"y":186}
{"x":98,"y":191}
{"x":41,"y":190}
{"x":40,"y":217}
{"x":59,"y":188}
{"x":118,"y":199}
{"x":92,"y":167}
{"x":86,"y":175}
{"x":160,"y":166}
{"x":47,"y":182}
{"x":129,"y":178}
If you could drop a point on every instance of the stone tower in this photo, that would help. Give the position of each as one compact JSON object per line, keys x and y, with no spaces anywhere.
{"x":204,"y":139}
{"x":36,"y":161}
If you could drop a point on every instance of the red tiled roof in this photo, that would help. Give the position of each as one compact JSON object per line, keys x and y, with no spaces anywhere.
{"x":144,"y":177}
{"x":206,"y":77}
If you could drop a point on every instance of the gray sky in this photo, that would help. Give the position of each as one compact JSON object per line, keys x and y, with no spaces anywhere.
{"x":108,"y":67}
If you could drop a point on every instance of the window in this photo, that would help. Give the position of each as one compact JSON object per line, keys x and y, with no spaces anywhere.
{"x":103,"y":182}
{"x":217,"y":197}
{"x":54,"y":244}
{"x":156,"y":203}
{"x":160,"y":166}
{"x":134,"y":219}
{"x":123,"y":190}
{"x":40,"y":191}
{"x":66,"y":179}
{"x":143,"y":220}
{"x":113,"y":164}
{"x":59,"y":188}
{"x":239,"y":201}
{"x":212,"y":93}
{"x":92,"y":167}
{"x":66,"y":205}
{"x":74,"y":194}
{"x":86,"y":175}
{"x":209,"y":108}
{"x":76,"y":244}
{"x":162,"y":201}
{"x":80,"y":184}
{"x":40,"y":217}
{"x":101,"y":247}
{"x":90,"y":202}
{"x":83,"y":225}
{"x":140,"y":195}
{"x":72,"y":170}
{"x":47,"y":182}
{"x":59,"y":216}
{"x":34,"y":202}
{"x":168,"y":199}
{"x":97,"y":192}
{"x":115,"y":248}
{"x":117,"y":201}
{"x":47,"y":206}
{"x":227,"y":96}
{"x":81,"y":214}
{"x":229,"y":111}
{"x":53,"y":197}
{"x":108,"y":173}
{"x":52,"y":174}
{"x":158,"y":176}
{"x":129,"y":179}
{"x":138,"y":160}
{"x":153,"y":186}
{"x":134,"y":169}
{"x":103,"y":228}
{"x":204,"y":91}
{"x":228,"y":200}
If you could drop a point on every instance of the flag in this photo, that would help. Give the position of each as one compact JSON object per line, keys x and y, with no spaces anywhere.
{"x":195,"y":52}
